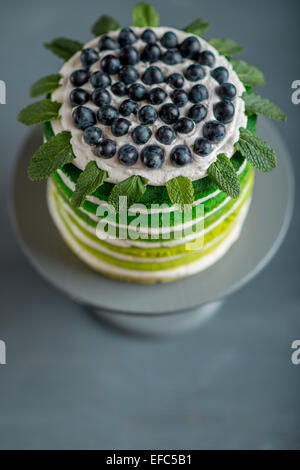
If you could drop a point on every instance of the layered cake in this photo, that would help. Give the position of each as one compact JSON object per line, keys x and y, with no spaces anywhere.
{"x":149,"y":147}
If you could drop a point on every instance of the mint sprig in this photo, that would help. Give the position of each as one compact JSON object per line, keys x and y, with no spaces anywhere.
{"x":63,"y":47}
{"x":256,"y":104}
{"x":50,"y":156}
{"x":223,"y":174}
{"x":133,"y":188}
{"x":256,"y":150}
{"x":39,"y":112}
{"x":144,"y":15}
{"x":45,"y":85}
{"x":180,"y":191}
{"x":198,"y":27}
{"x":248,"y":74}
{"x":104,"y":25}
{"x":226,"y":46}
{"x":89,"y":180}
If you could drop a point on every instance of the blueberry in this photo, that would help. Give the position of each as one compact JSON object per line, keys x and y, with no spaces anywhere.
{"x":79,"y":96}
{"x":151,"y":53}
{"x":202,"y":146}
{"x":153,"y":75}
{"x":126,"y":37}
{"x":137,"y":92}
{"x":214,"y":131}
{"x":107,"y":114}
{"x":128,"y":155}
{"x":198,"y":93}
{"x":100,"y":97}
{"x":147,"y":114}
{"x":166,"y":135}
{"x":92,"y":135}
{"x":100,"y":79}
{"x":107,"y":148}
{"x":152,"y":156}
{"x":79,"y":77}
{"x":197,"y":112}
{"x":172,"y":57}
{"x":184,"y":125}
{"x":181,"y":155}
{"x":107,"y":43}
{"x":129,"y":55}
{"x":83,"y":117}
{"x":128,"y":74}
{"x":88,"y":57}
{"x":175,"y":80}
{"x":223,"y":111}
{"x":141,"y":134}
{"x":180,"y":98}
{"x":205,"y":58}
{"x":220,"y":74}
{"x":189,"y":47}
{"x":127,"y":107}
{"x":157,"y":95}
{"x":119,"y":89}
{"x":194,"y":72}
{"x":169,"y":113}
{"x":169,"y":40}
{"x":110,"y":64}
{"x":226,"y":91}
{"x":120,"y":127}
{"x":149,"y":36}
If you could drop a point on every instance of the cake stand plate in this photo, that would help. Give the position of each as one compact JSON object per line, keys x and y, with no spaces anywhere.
{"x":157,"y":308}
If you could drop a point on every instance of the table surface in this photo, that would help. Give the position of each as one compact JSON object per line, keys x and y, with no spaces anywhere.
{"x":70,"y":381}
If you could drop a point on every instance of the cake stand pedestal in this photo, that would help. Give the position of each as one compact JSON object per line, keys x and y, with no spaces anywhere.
{"x":157,"y":308}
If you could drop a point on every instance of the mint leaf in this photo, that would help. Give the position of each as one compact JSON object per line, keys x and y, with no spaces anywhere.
{"x":226,"y":46}
{"x":89,"y":180}
{"x":248,"y":74}
{"x":144,"y":15}
{"x":256,"y":104}
{"x":251,"y":123}
{"x":256,"y":150}
{"x":63,"y":47}
{"x":224,"y":175}
{"x":199,"y":27}
{"x":45,"y":85}
{"x":50,"y":156}
{"x":180,"y":191}
{"x":133,"y":187}
{"x":104,"y":25}
{"x":39,"y":112}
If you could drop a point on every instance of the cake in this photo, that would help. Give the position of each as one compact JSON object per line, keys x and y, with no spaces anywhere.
{"x":149,"y":146}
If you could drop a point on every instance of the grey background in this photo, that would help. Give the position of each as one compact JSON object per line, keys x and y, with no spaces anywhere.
{"x":71,"y":382}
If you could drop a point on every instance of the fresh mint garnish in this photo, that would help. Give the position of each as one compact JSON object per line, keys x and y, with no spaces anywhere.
{"x":64,"y":47}
{"x":226,"y":46}
{"x":256,"y":104}
{"x":45,"y":85}
{"x":104,"y":25}
{"x":89,"y":180}
{"x":133,"y":188}
{"x":180,"y":191}
{"x":144,"y":15}
{"x":199,"y":27}
{"x":39,"y":112}
{"x":256,"y":150}
{"x":224,"y":175}
{"x":248,"y":74}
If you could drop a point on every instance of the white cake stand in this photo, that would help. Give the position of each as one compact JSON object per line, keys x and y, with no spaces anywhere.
{"x":159,"y":308}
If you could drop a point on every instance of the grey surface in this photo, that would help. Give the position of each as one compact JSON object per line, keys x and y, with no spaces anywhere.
{"x":72,"y":383}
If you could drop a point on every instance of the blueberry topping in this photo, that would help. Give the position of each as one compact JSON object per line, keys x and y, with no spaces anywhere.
{"x":198,"y":93}
{"x":189,"y":47}
{"x":128,"y":74}
{"x":149,"y":36}
{"x":119,"y":89}
{"x":127,"y":107}
{"x":172,"y":57}
{"x":107,"y":43}
{"x":126,"y":37}
{"x":147,"y":114}
{"x":128,"y":155}
{"x":137,"y":92}
{"x":180,"y":98}
{"x":92,"y":135}
{"x":100,"y":97}
{"x":120,"y":127}
{"x":79,"y":96}
{"x":224,"y":111}
{"x":107,"y":114}
{"x":153,"y":75}
{"x":152,"y":156}
{"x":169,"y":40}
{"x":169,"y":113}
{"x":205,"y":58}
{"x":129,"y":55}
{"x":107,"y":148}
{"x":100,"y":79}
{"x":110,"y":64}
{"x":157,"y":95}
{"x":226,"y":91}
{"x":141,"y":134}
{"x":180,"y":155}
{"x":88,"y":57}
{"x":79,"y":77}
{"x":151,"y":53}
{"x":166,"y":135}
{"x":220,"y":74}
{"x":83,"y":117}
{"x":202,"y":146}
{"x":214,"y":131}
{"x":184,"y":125}
{"x":175,"y":80}
{"x":197,"y":112}
{"x":194,"y":72}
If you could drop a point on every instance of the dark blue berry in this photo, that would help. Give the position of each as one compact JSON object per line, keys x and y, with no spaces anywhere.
{"x":169,"y":113}
{"x":152,"y":156}
{"x":197,"y":112}
{"x":151,"y":53}
{"x":107,"y":114}
{"x":184,"y":125}
{"x":110,"y":64}
{"x":126,"y":37}
{"x":100,"y":79}
{"x":147,"y":114}
{"x":194,"y":72}
{"x":79,"y":96}
{"x":128,"y":155}
{"x":202,"y":146}
{"x":149,"y":36}
{"x":223,"y":111}
{"x":107,"y":43}
{"x":100,"y":97}
{"x":220,"y":74}
{"x":128,"y":74}
{"x":157,"y":95}
{"x":79,"y":77}
{"x":181,"y":155}
{"x":169,"y":40}
{"x":137,"y":92}
{"x":214,"y":131}
{"x":129,"y":55}
{"x":166,"y":135}
{"x":153,"y":75}
{"x":92,"y":135}
{"x":141,"y":134}
{"x":128,"y":107}
{"x":120,"y":127}
{"x":83,"y":117}
{"x":180,"y":98}
{"x":107,"y":148}
{"x":189,"y":47}
{"x":119,"y":89}
{"x":198,"y":93}
{"x":175,"y":80}
{"x":88,"y":57}
{"x":172,"y":57}
{"x":205,"y":58}
{"x":226,"y":91}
